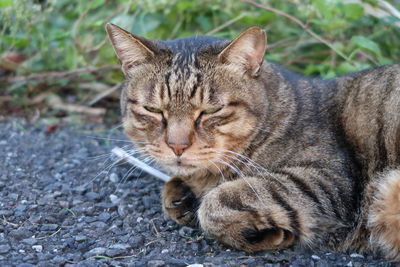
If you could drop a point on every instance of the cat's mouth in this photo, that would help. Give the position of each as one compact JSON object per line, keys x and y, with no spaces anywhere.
{"x":180,"y":163}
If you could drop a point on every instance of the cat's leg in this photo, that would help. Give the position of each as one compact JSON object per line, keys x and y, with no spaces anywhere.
{"x":255,"y":214}
{"x":179,"y":202}
{"x":384,"y":214}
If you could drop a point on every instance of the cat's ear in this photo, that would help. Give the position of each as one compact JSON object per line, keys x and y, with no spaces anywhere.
{"x":246,"y":51}
{"x":130,"y":49}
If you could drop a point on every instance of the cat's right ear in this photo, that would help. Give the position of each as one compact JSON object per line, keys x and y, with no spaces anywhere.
{"x":246,"y":52}
{"x":130,"y":49}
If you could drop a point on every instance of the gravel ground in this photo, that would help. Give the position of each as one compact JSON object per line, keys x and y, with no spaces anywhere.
{"x":60,"y":205}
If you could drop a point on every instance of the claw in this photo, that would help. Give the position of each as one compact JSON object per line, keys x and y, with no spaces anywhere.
{"x":184,"y":214}
{"x":177,"y":202}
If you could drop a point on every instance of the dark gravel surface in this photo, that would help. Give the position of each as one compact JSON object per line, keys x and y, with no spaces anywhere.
{"x":60,"y":205}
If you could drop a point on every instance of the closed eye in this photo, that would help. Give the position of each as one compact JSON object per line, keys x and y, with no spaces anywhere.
{"x":153,"y":110}
{"x":211,"y":110}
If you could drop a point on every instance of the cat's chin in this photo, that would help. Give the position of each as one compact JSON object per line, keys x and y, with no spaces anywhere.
{"x":183,"y":170}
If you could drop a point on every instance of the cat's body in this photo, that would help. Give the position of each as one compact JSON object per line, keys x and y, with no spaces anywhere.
{"x":265,"y":158}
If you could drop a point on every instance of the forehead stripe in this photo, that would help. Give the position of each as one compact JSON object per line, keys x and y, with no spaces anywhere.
{"x":167,"y":76}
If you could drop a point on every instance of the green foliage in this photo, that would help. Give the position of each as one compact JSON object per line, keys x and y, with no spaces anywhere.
{"x":60,"y":35}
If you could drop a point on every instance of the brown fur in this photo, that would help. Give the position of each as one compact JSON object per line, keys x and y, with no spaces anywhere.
{"x":264,"y":158}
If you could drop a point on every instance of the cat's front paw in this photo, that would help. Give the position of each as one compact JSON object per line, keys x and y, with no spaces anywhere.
{"x":179,"y":202}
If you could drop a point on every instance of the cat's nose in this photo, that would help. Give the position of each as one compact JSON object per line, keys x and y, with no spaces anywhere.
{"x":178,"y":148}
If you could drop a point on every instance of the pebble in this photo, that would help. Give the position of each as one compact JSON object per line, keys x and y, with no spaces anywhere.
{"x":176,"y":262}
{"x":114,"y":177}
{"x":315,"y":257}
{"x":95,"y":252}
{"x":156,"y":263}
{"x":20,"y":233}
{"x":29,"y":241}
{"x":120,"y":246}
{"x":93,"y":196}
{"x":136,"y":241}
{"x":112,"y":252}
{"x":37,"y":248}
{"x":48,"y":227}
{"x":6,"y":212}
{"x":104,"y":216}
{"x":114,"y":199}
{"x":25,"y":265}
{"x":4,"y":249}
{"x":356,"y":255}
{"x":80,"y":238}
{"x":186,"y":231}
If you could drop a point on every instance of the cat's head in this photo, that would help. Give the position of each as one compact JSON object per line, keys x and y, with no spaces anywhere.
{"x":189,"y":101}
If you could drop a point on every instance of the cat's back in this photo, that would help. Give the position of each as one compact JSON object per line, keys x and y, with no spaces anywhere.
{"x":369,"y":112}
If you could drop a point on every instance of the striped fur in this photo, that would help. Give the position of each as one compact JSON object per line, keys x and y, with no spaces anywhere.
{"x":264,"y":158}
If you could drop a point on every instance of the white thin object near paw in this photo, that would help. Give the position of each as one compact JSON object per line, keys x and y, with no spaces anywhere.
{"x":119,"y":152}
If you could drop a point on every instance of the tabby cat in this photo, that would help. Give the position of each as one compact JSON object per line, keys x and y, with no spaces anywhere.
{"x":264,"y":158}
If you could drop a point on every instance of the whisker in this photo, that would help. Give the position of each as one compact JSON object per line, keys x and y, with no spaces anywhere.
{"x":244,"y":178}
{"x":216,"y":166}
{"x":117,"y":140}
{"x":255,"y":165}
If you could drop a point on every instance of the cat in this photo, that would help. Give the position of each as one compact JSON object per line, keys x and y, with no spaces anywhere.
{"x":263,"y":158}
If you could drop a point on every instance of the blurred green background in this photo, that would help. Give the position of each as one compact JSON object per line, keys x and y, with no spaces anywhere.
{"x":55,"y":58}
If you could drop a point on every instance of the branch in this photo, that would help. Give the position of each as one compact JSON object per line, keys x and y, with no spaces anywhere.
{"x":301,"y":24}
{"x":104,"y":94}
{"x":226,"y":24}
{"x":59,"y":75}
{"x":55,"y":102}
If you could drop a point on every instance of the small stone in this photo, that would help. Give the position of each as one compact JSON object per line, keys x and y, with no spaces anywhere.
{"x":25,"y":265}
{"x":156,"y":263}
{"x":120,"y":246}
{"x":4,"y":249}
{"x":114,"y":177}
{"x":112,"y":252}
{"x":139,"y":219}
{"x":104,"y":216}
{"x":114,"y":199}
{"x":93,"y":196}
{"x":195,"y":265}
{"x":176,"y":262}
{"x":99,"y":224}
{"x":164,"y":251}
{"x":95,"y":252}
{"x":58,"y":259}
{"x":186,"y":231}
{"x":49,"y":227}
{"x":80,"y":238}
{"x":6,"y":212}
{"x":136,"y":241}
{"x":37,"y":248}
{"x":29,"y":241}
{"x":350,"y":264}
{"x":356,"y":255}
{"x":315,"y":257}
{"x":20,"y":233}
{"x":64,"y":204}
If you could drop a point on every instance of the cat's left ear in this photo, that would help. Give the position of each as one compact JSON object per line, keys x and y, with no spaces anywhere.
{"x":246,"y":51}
{"x":131,"y":49}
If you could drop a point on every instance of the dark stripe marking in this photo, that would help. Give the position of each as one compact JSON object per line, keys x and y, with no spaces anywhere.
{"x":167,"y":76}
{"x":132,"y":101}
{"x":331,"y":199}
{"x":305,"y":188}
{"x":291,"y":213}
